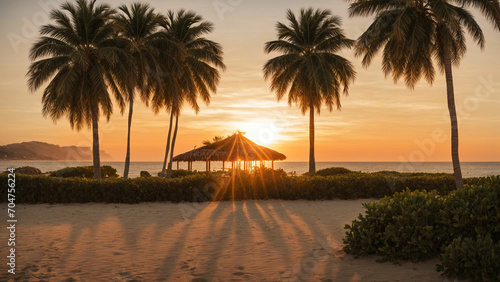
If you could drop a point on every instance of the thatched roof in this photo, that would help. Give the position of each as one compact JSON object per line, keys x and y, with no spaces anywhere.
{"x":234,"y":148}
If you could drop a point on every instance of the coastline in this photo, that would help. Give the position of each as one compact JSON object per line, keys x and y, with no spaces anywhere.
{"x":469,"y":169}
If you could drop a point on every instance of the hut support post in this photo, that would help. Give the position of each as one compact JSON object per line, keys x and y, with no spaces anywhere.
{"x":177,"y":165}
{"x":272,"y":165}
{"x":223,"y":165}
{"x":209,"y":168}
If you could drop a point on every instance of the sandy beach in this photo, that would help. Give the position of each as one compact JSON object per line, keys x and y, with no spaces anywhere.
{"x":219,"y":241}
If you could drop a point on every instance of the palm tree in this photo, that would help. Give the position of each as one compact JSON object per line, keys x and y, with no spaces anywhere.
{"x":139,"y":25}
{"x":82,"y":60}
{"x":309,"y":68}
{"x":197,"y":72}
{"x":413,"y":32}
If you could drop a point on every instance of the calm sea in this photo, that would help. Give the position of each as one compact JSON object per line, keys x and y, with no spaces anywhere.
{"x":469,"y":169}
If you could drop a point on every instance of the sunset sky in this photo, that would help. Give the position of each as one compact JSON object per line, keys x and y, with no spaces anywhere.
{"x":379,"y":120}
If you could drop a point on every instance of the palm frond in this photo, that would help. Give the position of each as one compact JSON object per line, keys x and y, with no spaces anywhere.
{"x":308,"y":68}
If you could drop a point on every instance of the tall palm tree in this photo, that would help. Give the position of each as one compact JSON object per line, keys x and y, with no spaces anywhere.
{"x":140,"y":26}
{"x":309,"y":68}
{"x":82,"y":60}
{"x":413,"y":32}
{"x":198,"y":64}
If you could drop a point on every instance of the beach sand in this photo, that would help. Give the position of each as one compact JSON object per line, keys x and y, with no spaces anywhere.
{"x":219,"y":241}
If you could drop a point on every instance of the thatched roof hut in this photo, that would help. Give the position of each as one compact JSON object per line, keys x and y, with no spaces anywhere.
{"x":235,"y":148}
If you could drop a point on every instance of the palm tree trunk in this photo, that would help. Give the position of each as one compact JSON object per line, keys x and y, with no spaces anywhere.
{"x":127,"y":157}
{"x":169,"y":171}
{"x":168,"y":145}
{"x":312,"y":162}
{"x":454,"y":122}
{"x":95,"y":141}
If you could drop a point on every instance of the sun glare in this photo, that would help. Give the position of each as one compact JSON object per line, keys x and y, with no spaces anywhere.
{"x":261,"y":132}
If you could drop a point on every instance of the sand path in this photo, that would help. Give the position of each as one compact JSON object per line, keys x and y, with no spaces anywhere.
{"x":220,"y":241}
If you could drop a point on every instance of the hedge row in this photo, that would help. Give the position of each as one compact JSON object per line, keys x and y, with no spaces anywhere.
{"x":265,"y":184}
{"x":84,"y":171}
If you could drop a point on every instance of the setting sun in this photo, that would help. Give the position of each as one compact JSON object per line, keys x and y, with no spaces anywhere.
{"x":261,"y":132}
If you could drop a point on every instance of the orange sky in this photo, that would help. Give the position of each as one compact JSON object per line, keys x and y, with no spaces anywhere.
{"x":379,"y":121}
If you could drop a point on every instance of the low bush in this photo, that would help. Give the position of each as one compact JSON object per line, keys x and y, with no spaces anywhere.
{"x":473,"y":211}
{"x":462,"y":228}
{"x":475,"y":258}
{"x":27,"y":170}
{"x":403,"y":226}
{"x":333,"y":171}
{"x":84,"y":171}
{"x":176,"y":173}
{"x":493,"y":181}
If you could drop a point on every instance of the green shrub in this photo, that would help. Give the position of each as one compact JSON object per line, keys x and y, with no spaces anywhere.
{"x":144,"y":174}
{"x":84,"y":171}
{"x":333,"y":171}
{"x":44,"y":189}
{"x":176,"y":173}
{"x":260,"y":184}
{"x":493,"y":181}
{"x":440,"y":182}
{"x":464,"y":227}
{"x":475,"y":258}
{"x":399,"y":227}
{"x":473,"y":211}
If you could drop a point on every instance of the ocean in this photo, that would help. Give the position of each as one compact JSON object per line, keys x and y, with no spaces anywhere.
{"x":469,"y":169}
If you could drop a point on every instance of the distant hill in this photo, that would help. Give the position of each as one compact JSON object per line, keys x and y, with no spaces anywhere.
{"x":35,"y":150}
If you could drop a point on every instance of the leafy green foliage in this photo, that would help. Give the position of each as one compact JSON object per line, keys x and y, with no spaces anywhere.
{"x":333,"y":171}
{"x":83,"y":63}
{"x":145,"y":174}
{"x":138,"y":27}
{"x":181,"y":173}
{"x":399,"y":227}
{"x":474,"y":258}
{"x":84,"y":171}
{"x":415,"y":35}
{"x":260,"y":184}
{"x":493,"y":181}
{"x":463,"y":227}
{"x":44,"y":189}
{"x":196,"y":68}
{"x":473,"y":211}
{"x":308,"y":67}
